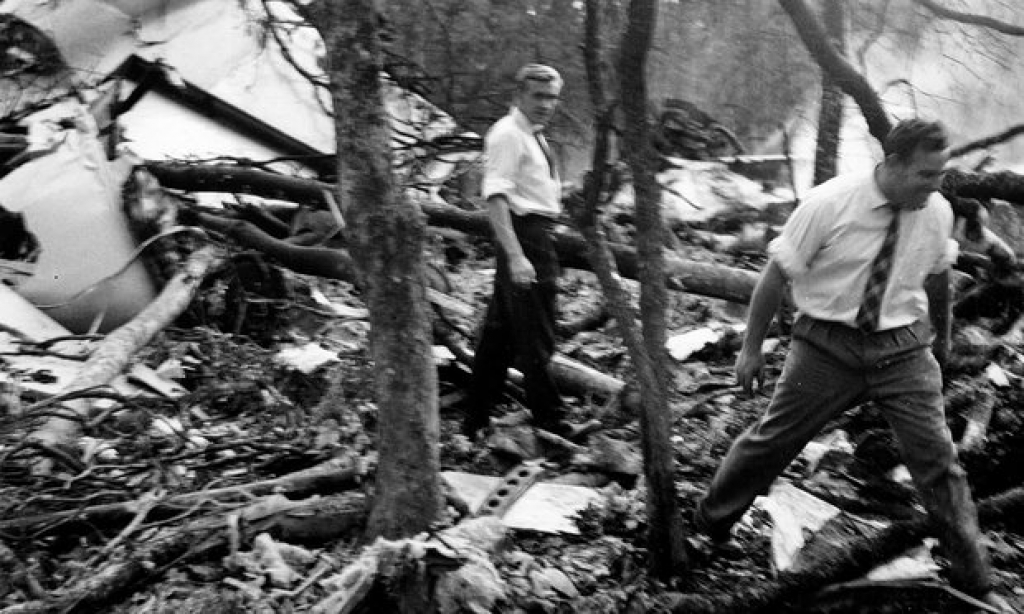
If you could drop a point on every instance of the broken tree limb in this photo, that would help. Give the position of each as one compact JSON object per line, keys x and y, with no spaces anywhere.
{"x":232,"y":179}
{"x":572,"y":376}
{"x":1004,"y":185}
{"x":841,"y":72}
{"x":841,"y":564}
{"x":712,"y":280}
{"x":98,"y":589}
{"x":306,"y":259}
{"x":844,"y":562}
{"x":329,"y":477}
{"x":113,"y":354}
{"x":1003,"y":510}
{"x":685,"y":275}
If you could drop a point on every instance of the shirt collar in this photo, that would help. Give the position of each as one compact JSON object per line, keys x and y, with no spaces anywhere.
{"x":878,"y":200}
{"x":524,"y":122}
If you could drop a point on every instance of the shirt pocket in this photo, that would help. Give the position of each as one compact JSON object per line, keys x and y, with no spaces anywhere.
{"x":856,"y":243}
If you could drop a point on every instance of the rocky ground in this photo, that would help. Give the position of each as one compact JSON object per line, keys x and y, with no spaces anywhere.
{"x":250,"y":416}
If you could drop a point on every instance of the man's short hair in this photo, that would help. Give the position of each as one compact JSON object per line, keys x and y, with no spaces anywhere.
{"x":912,"y":134}
{"x":539,"y":73}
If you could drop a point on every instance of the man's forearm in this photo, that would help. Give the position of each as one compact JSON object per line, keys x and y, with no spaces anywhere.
{"x":940,"y":310}
{"x":764,"y":303}
{"x":501,"y":223}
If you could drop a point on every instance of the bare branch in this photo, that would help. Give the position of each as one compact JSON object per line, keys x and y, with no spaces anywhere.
{"x":319,"y":82}
{"x":987,"y":142}
{"x":972,"y":19}
{"x":813,"y":34}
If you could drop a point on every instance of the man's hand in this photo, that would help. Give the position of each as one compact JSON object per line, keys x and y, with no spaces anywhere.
{"x":521,"y":272}
{"x":750,"y":368}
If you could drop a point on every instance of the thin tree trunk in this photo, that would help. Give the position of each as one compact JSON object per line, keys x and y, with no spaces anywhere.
{"x":830,"y":115}
{"x":665,"y":539}
{"x":813,"y":34}
{"x":388,"y":238}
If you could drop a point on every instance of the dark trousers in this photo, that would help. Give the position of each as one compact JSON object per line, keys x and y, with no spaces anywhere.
{"x":831,"y":368}
{"x":519,"y":330}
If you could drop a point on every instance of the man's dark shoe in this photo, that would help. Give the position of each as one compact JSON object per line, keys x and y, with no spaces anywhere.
{"x":716,"y":535}
{"x":572,"y":431}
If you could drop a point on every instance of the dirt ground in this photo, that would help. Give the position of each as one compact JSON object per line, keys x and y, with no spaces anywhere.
{"x":248,"y":417}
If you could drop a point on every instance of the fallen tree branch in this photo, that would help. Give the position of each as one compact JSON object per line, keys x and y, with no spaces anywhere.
{"x":143,"y":507}
{"x":572,"y":376}
{"x":684,"y":275}
{"x":973,"y":19}
{"x":905,"y":585}
{"x":306,"y":259}
{"x":845,"y":562}
{"x":201,"y":537}
{"x":712,"y":280}
{"x":329,"y":477}
{"x":114,"y":353}
{"x":1004,"y":185}
{"x":987,"y":142}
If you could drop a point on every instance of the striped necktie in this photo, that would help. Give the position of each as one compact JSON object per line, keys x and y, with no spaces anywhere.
{"x":871,"y":305}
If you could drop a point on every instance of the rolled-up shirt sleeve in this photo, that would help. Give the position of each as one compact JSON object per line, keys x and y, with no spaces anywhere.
{"x":501,"y":163}
{"x":800,"y":240}
{"x":948,"y":254}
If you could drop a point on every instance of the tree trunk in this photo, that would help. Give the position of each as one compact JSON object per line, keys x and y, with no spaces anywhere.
{"x":1003,"y":185}
{"x":830,"y":115}
{"x":388,"y":235}
{"x":665,"y":538}
{"x":837,"y":68}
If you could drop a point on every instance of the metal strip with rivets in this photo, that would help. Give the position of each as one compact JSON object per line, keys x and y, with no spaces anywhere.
{"x":515,"y":483}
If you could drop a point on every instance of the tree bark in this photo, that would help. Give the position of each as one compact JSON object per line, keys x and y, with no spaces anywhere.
{"x":306,"y":259}
{"x":99,"y":590}
{"x":840,"y":562}
{"x":571,"y":376}
{"x":830,"y":115}
{"x":837,"y":67}
{"x":325,"y":479}
{"x":1003,"y":185}
{"x":716,"y":281}
{"x":665,"y":539}
{"x":239,"y":179}
{"x":388,"y":236}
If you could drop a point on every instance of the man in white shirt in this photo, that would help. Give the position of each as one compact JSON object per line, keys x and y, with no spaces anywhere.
{"x":858,"y":252}
{"x":523,"y":194}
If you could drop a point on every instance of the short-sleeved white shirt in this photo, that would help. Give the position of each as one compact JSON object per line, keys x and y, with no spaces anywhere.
{"x":830,"y":241}
{"x":515,"y":166}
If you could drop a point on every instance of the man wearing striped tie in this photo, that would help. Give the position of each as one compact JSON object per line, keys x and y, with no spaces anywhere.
{"x":858,"y":253}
